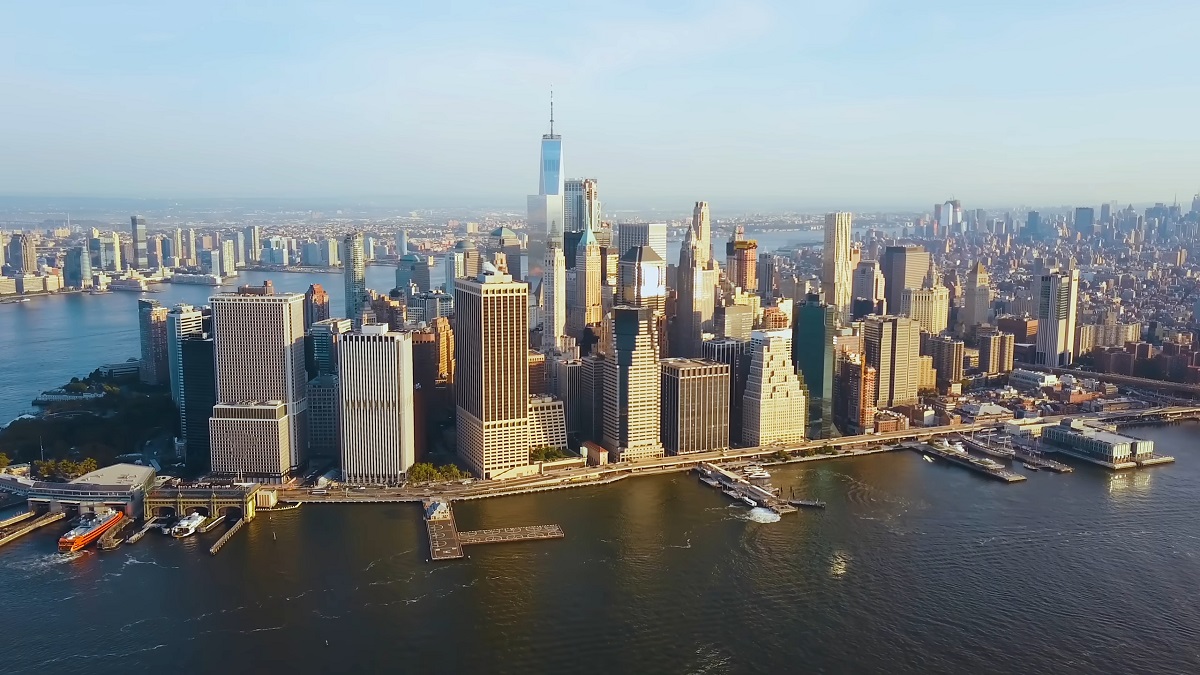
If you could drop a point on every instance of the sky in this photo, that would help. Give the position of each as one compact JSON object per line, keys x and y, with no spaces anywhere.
{"x":847,"y":104}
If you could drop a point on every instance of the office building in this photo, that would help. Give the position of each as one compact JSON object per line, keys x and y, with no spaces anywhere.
{"x":1057,"y":299}
{"x":253,"y":241}
{"x":893,"y":348}
{"x":695,"y":405}
{"x":702,"y":231}
{"x":197,"y":395}
{"x":316,"y":305}
{"x":688,"y":322}
{"x":22,"y":254}
{"x":996,"y":349}
{"x":77,"y":269}
{"x":776,"y":407}
{"x":637,"y":235}
{"x":182,"y":322}
{"x":554,"y":293}
{"x":375,"y":395}
{"x":547,"y":208}
{"x":581,"y":207}
{"x":141,"y":259}
{"x":741,"y":258}
{"x":152,"y":325}
{"x":947,"y":353}
{"x":867,"y":285}
{"x":813,"y":335}
{"x":1085,"y":221}
{"x":355,"y":275}
{"x":547,"y":423}
{"x":928,"y":305}
{"x":836,"y":277}
{"x":326,"y":334}
{"x":586,"y":309}
{"x":855,"y":394}
{"x":977,"y":298}
{"x":903,"y":267}
{"x":642,"y":279}
{"x":632,"y":403}
{"x":491,"y":344}
{"x":259,"y":426}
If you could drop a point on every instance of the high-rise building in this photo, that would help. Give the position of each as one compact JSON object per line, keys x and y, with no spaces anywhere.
{"x":813,"y":354}
{"x":547,"y":423}
{"x":581,"y":207}
{"x":929,"y":305}
{"x":903,"y":267}
{"x":977,"y":298}
{"x":642,"y":279}
{"x":947,"y":352}
{"x":355,"y":275}
{"x":316,"y":305}
{"x":1057,"y":299}
{"x":632,"y":403}
{"x":586,"y":308}
{"x":636,"y":235}
{"x":995,"y":350}
{"x":77,"y":269}
{"x":197,"y":396}
{"x":326,"y":334}
{"x":546,"y":208}
{"x":867,"y":284}
{"x":702,"y":231}
{"x":775,"y":409}
{"x":736,"y":355}
{"x":893,"y":349}
{"x":22,"y":254}
{"x":836,"y":277}
{"x":140,"y":252}
{"x":1033,"y":224}
{"x":253,"y":244}
{"x":491,"y":344}
{"x":152,"y":324}
{"x":554,"y":289}
{"x":855,"y":394}
{"x":695,"y":405}
{"x":258,"y":429}
{"x":183,"y":322}
{"x":733,"y":321}
{"x":688,"y":323}
{"x":741,"y":257}
{"x":1085,"y":221}
{"x":375,"y":392}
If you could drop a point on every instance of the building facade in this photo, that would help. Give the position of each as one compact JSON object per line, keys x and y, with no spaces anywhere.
{"x":375,"y":405}
{"x":695,"y":405}
{"x":776,"y":406}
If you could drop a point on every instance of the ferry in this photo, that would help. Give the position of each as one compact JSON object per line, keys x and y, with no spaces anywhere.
{"x":187,"y":526}
{"x":91,"y":526}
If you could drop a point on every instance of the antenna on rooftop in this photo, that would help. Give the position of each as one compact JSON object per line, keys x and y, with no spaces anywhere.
{"x":551,"y":110}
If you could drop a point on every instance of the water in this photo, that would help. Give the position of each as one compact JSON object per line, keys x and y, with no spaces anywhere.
{"x":912,"y":568}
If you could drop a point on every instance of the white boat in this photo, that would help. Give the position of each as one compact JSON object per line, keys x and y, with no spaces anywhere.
{"x":187,"y":526}
{"x":749,"y":502}
{"x":927,"y":458}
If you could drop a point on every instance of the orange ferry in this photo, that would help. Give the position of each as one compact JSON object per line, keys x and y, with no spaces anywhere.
{"x":91,"y":526}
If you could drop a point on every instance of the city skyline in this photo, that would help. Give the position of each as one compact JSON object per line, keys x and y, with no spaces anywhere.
{"x":863,"y":88}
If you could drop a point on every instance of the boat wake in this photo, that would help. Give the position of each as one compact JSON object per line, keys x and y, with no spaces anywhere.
{"x":760,"y":515}
{"x":42,"y":562}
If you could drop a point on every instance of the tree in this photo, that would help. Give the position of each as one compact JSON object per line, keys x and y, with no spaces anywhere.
{"x":88,"y":465}
{"x":45,"y":468}
{"x":780,"y":456}
{"x":422,"y":472}
{"x":4,"y":460}
{"x":451,"y":472}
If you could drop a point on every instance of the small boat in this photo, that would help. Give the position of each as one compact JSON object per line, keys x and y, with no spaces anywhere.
{"x":809,"y":503}
{"x":1029,"y":466}
{"x":927,"y":458}
{"x":709,"y":482}
{"x":749,"y":502}
{"x":732,"y":494}
{"x":187,"y":526}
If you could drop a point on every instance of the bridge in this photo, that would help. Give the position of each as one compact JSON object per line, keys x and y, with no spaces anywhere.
{"x":232,"y":501}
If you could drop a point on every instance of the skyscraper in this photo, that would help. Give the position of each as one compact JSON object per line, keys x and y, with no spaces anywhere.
{"x":977,"y":298}
{"x":893,"y":349}
{"x":77,"y":270}
{"x":259,"y":425}
{"x":355,"y":275}
{"x":642,"y":279}
{"x":1033,"y":224}
{"x":316,"y":305}
{"x":947,"y":353}
{"x":929,"y":305}
{"x":688,"y":325}
{"x":632,"y":403}
{"x":1085,"y":221}
{"x":491,"y":344}
{"x":546,"y":208}
{"x":22,"y":254}
{"x":152,"y":324}
{"x":903,"y":267}
{"x":855,"y":395}
{"x":996,"y":349}
{"x":635,"y":235}
{"x":836,"y":277}
{"x":735,"y":354}
{"x":183,"y":321}
{"x":375,"y":392}
{"x":741,"y":257}
{"x":695,"y":405}
{"x":253,"y":244}
{"x":813,"y":332}
{"x":1057,"y":298}
{"x":776,"y":409}
{"x":554,"y":289}
{"x":197,"y":396}
{"x":140,"y":253}
{"x":868,"y":284}
{"x":702,"y":230}
{"x":581,"y":207}
{"x":587,"y":310}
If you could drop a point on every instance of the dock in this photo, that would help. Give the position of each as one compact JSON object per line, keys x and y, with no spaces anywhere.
{"x":25,"y":526}
{"x":208,"y":525}
{"x":986,"y":467}
{"x":151,"y":524}
{"x":112,"y":538}
{"x":1018,"y":453}
{"x":733,"y":484}
{"x":446,"y":542}
{"x":7,"y":522}
{"x":216,"y":548}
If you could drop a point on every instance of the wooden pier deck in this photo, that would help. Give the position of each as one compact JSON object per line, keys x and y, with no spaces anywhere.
{"x":24,"y":527}
{"x":216,"y":548}
{"x":446,"y":542}
{"x":509,"y":534}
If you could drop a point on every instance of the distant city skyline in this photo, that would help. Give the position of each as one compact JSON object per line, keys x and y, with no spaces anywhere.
{"x":879,"y":107}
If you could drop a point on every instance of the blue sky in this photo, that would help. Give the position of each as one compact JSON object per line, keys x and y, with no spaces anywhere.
{"x":851,"y":104}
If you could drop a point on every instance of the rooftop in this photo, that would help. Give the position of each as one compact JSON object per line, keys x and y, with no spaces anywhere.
{"x":126,"y":475}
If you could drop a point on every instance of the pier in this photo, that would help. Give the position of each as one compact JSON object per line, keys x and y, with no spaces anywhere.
{"x":986,"y":467}
{"x":744,"y":489}
{"x":208,"y":525}
{"x":446,"y":542}
{"x":112,"y":538}
{"x":16,"y":519}
{"x":151,"y":524}
{"x":1015,"y":452}
{"x":26,"y":526}
{"x":216,"y":548}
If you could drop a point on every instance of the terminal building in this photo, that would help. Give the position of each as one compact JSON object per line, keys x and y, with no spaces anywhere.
{"x":1097,"y":443}
{"x":120,"y":486}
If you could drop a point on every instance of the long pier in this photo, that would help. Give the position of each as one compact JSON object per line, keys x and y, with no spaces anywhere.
{"x":25,"y":527}
{"x":111,"y":539}
{"x":744,"y":489}
{"x":150,"y":524}
{"x":17,"y":518}
{"x":216,"y":548}
{"x":984,"y":466}
{"x":1016,"y":452}
{"x":446,"y":542}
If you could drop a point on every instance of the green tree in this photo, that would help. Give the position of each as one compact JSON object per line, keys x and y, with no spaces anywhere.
{"x":827,"y":449}
{"x":88,"y":465}
{"x":4,"y":460}
{"x":780,"y":456}
{"x":451,"y":472}
{"x":47,"y":468}
{"x":422,"y":472}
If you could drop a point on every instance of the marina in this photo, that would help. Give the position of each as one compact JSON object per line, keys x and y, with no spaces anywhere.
{"x":740,"y":488}
{"x":1030,"y":458}
{"x":957,"y":455}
